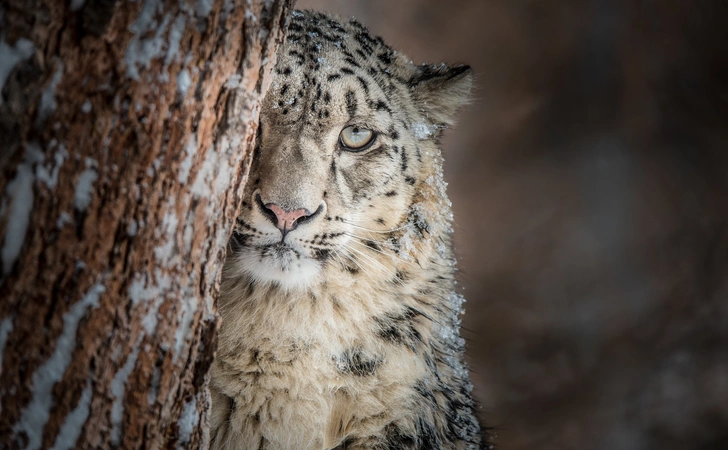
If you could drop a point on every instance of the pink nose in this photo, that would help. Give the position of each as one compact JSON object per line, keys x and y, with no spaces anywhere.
{"x":286,"y":220}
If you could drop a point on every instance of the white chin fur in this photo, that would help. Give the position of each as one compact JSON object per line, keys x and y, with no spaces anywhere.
{"x":283,"y":268}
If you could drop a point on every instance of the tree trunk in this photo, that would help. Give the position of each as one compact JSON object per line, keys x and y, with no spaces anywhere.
{"x":126,"y":131}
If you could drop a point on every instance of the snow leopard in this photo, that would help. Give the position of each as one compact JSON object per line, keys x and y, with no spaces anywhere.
{"x":339,"y":312}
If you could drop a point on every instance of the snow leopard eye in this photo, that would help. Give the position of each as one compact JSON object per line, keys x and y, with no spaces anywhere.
{"x":356,"y":139}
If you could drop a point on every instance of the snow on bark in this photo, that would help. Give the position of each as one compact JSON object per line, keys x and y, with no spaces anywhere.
{"x":190,"y":152}
{"x":73,"y":425}
{"x":48,"y":98}
{"x":141,"y":50}
{"x":84,"y":188}
{"x":10,"y":56}
{"x":118,"y":388}
{"x":49,"y":175}
{"x":35,"y":415}
{"x":19,"y":201}
{"x":183,"y":82}
{"x":188,"y":421}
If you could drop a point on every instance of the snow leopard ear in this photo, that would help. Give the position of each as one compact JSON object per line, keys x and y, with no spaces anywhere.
{"x":440,"y":90}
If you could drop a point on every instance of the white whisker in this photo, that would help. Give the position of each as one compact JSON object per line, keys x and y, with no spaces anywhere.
{"x":391,"y":254}
{"x":374,"y":261}
{"x":377,"y":231}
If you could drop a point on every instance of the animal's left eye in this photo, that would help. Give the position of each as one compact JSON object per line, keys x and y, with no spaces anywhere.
{"x":356,"y":138}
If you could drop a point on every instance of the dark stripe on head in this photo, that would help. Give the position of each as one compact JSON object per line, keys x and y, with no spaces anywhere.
{"x":351,"y":103}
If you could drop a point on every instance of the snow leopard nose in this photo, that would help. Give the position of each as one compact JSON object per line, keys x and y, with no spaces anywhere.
{"x":285,"y":220}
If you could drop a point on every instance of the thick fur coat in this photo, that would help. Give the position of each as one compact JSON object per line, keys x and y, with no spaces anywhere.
{"x":340,"y":327}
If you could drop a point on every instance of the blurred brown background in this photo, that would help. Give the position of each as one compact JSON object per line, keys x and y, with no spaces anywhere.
{"x":590,"y":184}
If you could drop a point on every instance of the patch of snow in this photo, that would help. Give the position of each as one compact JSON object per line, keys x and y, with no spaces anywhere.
{"x":448,"y":334}
{"x":234,"y":81}
{"x":188,"y":232}
{"x":50,"y":175}
{"x":84,"y":188}
{"x":422,"y":130}
{"x":48,"y":97}
{"x":186,"y":165}
{"x":132,"y":229}
{"x":6,"y":326}
{"x":215,"y":174}
{"x":250,"y":15}
{"x":183,"y":82}
{"x":20,"y":193}
{"x":143,"y":290}
{"x":188,"y":421}
{"x":86,"y":107}
{"x":203,"y":7}
{"x":35,"y":416}
{"x":76,"y":419}
{"x":118,"y":389}
{"x":167,"y":233}
{"x":140,"y":52}
{"x":63,"y":219}
{"x":176,"y":31}
{"x":10,"y":56}
{"x":407,"y":243}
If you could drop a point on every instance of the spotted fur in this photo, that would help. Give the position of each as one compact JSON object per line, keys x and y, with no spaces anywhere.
{"x":344,"y":335}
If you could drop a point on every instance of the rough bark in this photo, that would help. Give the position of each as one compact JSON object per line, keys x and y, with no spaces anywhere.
{"x":126,"y":131}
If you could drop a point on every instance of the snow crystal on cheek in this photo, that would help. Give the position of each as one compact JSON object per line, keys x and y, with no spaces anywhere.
{"x":35,"y":416}
{"x":86,"y":107}
{"x":422,"y":130}
{"x":10,"y":56}
{"x":76,"y":419}
{"x":84,"y":188}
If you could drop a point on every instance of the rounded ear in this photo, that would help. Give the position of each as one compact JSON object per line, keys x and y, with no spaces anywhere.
{"x":440,"y":90}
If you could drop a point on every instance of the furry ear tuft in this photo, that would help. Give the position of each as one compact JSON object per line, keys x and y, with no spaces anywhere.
{"x":440,"y":90}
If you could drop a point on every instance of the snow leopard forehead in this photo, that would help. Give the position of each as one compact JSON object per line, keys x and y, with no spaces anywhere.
{"x":330,"y":70}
